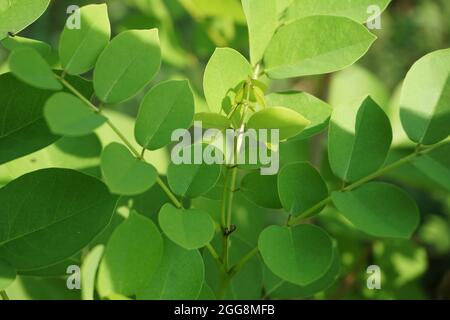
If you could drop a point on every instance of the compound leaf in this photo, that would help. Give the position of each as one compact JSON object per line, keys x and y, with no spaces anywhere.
{"x":127,"y":65}
{"x":68,"y":115}
{"x":425,"y":99}
{"x":131,"y":258}
{"x":166,"y":107}
{"x":300,"y":255}
{"x":124,"y":174}
{"x":379,"y":209}
{"x":190,"y":229}
{"x":359,"y":139}
{"x":297,"y":49}
{"x":49,"y":215}
{"x":79,"y":48}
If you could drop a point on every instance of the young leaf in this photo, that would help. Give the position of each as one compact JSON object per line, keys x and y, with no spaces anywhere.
{"x":190,"y":229}
{"x":300,"y":187}
{"x":359,"y":139}
{"x":300,"y":255}
{"x":379,"y":209}
{"x":261,"y":190}
{"x":356,"y":10}
{"x":124,"y":174}
{"x":166,"y":107}
{"x":21,"y":112}
{"x":131,"y":258}
{"x":17,"y":15}
{"x":425,"y":100}
{"x":289,"y":122}
{"x":7,"y":275}
{"x":225,"y":71}
{"x":315,"y":110}
{"x":80,"y":48}
{"x":29,"y":66}
{"x":89,"y":272}
{"x":296,"y":50}
{"x":262,"y":21}
{"x":127,"y":65}
{"x":213,"y":120}
{"x":64,"y":211}
{"x":192,"y":180}
{"x":67,"y":115}
{"x":180,"y":275}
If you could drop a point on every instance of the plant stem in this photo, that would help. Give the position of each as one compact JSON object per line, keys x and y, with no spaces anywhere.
{"x":4,"y":295}
{"x":122,"y":137}
{"x":238,"y":266}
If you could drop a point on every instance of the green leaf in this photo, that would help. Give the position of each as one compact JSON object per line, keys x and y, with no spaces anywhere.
{"x":356,"y":10}
{"x":261,"y":190}
{"x":296,"y":50}
{"x":80,"y":48}
{"x":225,"y":71}
{"x":379,"y":209}
{"x":131,"y":258}
{"x":313,"y":109}
{"x":279,"y":289}
{"x":262,"y":21}
{"x":30,"y":67}
{"x":166,"y":107}
{"x":300,"y":187}
{"x":7,"y":275}
{"x":425,"y":99}
{"x":124,"y":174}
{"x":44,"y":49}
{"x":359,"y":139}
{"x":192,"y":180}
{"x":24,"y":129}
{"x":68,"y":115}
{"x":436,"y":165}
{"x":64,"y":211}
{"x":127,"y":65}
{"x":190,"y":229}
{"x":300,"y":255}
{"x":180,"y":275}
{"x":89,"y":272}
{"x":213,"y":120}
{"x":289,"y":122}
{"x":17,"y":15}
{"x":206,"y":293}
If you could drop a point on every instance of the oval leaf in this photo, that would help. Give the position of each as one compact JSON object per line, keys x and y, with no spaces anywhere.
{"x":29,"y":66}
{"x":124,"y":174}
{"x":213,"y":120}
{"x":167,"y":107}
{"x":233,"y":69}
{"x":7,"y":275}
{"x":79,"y":48}
{"x":67,"y":115}
{"x":289,"y":122}
{"x":300,"y":187}
{"x":296,"y":50}
{"x":313,"y":109}
{"x":300,"y":255}
{"x":127,"y":65}
{"x":180,"y":275}
{"x":64,"y":211}
{"x":17,"y":15}
{"x":357,"y":10}
{"x":261,"y":190}
{"x":190,"y":229}
{"x":379,"y":209}
{"x":132,"y":256}
{"x":425,"y":99}
{"x":359,"y":139}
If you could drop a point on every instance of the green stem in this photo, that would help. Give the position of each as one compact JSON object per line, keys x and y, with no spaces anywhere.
{"x":4,"y":295}
{"x":122,"y":137}
{"x":238,"y":266}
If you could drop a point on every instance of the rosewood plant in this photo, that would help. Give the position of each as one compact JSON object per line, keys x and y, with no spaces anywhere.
{"x":197,"y":240}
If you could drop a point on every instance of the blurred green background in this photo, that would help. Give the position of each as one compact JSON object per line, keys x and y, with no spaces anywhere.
{"x":190,"y":30}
